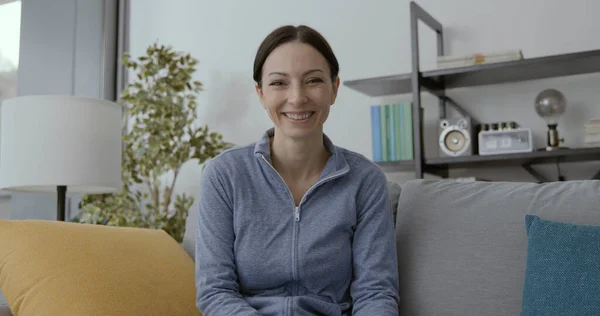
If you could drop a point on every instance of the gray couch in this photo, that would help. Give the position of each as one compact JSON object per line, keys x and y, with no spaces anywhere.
{"x":462,"y":247}
{"x":4,"y":310}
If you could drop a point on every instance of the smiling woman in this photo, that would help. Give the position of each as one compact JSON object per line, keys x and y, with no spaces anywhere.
{"x":293,"y":224}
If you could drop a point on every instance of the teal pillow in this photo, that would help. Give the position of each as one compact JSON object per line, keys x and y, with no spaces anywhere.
{"x":562,"y":274}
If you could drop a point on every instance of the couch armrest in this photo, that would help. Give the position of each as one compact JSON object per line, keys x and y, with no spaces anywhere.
{"x":5,"y":311}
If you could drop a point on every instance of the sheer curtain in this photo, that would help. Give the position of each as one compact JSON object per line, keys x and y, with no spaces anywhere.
{"x":10,"y":24}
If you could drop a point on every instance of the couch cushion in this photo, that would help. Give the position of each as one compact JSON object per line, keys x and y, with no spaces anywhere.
{"x":462,"y":246}
{"x":60,"y":268}
{"x":5,"y":311}
{"x":394,"y":191}
{"x":562,"y":275}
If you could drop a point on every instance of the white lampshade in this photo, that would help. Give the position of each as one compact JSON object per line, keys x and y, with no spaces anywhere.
{"x":52,"y":140}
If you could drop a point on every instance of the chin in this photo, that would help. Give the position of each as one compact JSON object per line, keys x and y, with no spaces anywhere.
{"x":300,"y":132}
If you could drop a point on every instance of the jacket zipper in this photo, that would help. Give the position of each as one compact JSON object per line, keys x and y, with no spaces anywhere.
{"x":283,"y":181}
{"x":331,"y":177}
{"x":297,"y":208}
{"x":297,"y":219}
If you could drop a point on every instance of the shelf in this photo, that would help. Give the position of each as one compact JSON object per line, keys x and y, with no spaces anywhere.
{"x":379,"y":86}
{"x":397,"y":166}
{"x":518,"y":159}
{"x":437,"y":81}
{"x":485,"y":74}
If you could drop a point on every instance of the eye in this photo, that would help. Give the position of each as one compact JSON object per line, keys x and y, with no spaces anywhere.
{"x":276,"y":83}
{"x":314,"y":80}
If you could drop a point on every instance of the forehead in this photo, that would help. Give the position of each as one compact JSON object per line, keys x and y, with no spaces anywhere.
{"x":295,"y":57}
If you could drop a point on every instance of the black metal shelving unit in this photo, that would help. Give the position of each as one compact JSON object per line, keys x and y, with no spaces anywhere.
{"x":437,"y":81}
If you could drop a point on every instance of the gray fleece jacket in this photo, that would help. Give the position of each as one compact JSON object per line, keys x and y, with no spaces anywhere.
{"x":257,"y":253}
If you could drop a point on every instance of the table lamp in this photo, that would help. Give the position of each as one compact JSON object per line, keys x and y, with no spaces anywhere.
{"x":550,"y":104}
{"x":62,"y":144}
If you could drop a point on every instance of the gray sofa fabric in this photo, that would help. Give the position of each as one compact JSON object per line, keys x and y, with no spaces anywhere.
{"x":394,"y":190}
{"x":4,"y":310}
{"x":462,"y":247}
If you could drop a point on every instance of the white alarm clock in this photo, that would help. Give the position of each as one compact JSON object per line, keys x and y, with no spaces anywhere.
{"x":505,"y":141}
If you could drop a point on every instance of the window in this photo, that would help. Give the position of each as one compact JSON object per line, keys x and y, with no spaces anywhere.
{"x":10,"y":24}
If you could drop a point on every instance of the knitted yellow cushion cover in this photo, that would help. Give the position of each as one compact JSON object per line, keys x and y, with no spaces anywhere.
{"x":56,"y":268}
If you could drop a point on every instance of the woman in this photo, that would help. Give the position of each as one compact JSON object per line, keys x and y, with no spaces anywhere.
{"x":292,"y":224}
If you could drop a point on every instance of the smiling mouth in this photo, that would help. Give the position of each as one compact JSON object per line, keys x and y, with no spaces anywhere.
{"x":299,"y":116}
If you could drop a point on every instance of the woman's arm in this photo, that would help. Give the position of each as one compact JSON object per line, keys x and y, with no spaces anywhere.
{"x":375,"y":286}
{"x":216,"y":279}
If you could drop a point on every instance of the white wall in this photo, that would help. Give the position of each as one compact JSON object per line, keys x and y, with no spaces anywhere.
{"x":372,"y":38}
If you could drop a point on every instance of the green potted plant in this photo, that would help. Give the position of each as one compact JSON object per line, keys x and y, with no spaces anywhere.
{"x":159,"y":137}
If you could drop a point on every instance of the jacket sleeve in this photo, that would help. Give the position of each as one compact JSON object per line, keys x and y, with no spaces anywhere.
{"x":217,"y":291}
{"x":374,"y":289}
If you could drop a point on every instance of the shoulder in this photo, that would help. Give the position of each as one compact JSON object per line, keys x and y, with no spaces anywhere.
{"x":229,"y":162}
{"x":362,"y":168}
{"x":232,"y":157}
{"x":369,"y":180}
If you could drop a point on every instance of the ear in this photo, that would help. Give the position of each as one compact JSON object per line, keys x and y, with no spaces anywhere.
{"x":336,"y":86}
{"x":259,"y":92}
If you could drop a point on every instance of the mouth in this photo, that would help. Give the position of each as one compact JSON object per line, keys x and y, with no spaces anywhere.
{"x":298,"y":116}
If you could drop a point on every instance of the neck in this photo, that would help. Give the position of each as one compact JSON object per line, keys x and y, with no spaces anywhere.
{"x":299,"y":159}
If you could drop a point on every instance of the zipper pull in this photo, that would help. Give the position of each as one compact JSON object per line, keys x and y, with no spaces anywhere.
{"x":297,"y":213}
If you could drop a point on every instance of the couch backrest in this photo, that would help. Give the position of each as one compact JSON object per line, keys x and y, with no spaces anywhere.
{"x":462,"y":246}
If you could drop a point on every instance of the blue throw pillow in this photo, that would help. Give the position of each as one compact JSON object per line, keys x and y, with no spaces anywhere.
{"x":562,"y":275}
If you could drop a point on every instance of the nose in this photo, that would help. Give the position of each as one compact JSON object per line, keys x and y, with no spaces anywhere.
{"x":297,"y":95}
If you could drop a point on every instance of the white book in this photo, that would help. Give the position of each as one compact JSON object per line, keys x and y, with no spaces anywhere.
{"x":475,"y":59}
{"x":592,"y":138}
{"x":510,"y":54}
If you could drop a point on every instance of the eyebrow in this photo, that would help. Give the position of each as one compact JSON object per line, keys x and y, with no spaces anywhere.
{"x":305,"y":73}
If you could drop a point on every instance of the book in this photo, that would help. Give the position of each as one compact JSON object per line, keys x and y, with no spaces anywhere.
{"x":391,"y":132}
{"x":376,"y":133}
{"x":592,"y":133}
{"x":478,"y":58}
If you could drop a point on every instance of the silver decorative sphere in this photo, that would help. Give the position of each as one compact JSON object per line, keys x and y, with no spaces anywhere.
{"x":550,"y":104}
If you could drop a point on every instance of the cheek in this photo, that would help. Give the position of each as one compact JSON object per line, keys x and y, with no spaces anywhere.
{"x":271,"y":100}
{"x":322,"y":96}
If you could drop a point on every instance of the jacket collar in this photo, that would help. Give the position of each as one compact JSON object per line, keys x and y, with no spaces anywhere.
{"x":336,"y":164}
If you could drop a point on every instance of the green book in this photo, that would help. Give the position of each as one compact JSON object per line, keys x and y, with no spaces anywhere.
{"x":408,"y":131}
{"x":389,"y":122}
{"x":398,"y":130}
{"x":384,"y":115}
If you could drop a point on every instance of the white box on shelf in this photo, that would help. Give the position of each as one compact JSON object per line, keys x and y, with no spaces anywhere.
{"x":507,"y":141}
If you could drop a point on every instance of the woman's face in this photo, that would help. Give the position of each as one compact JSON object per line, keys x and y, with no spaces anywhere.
{"x":297,"y":90}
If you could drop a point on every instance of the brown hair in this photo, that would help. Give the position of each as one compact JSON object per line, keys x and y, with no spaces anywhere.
{"x":289,"y":33}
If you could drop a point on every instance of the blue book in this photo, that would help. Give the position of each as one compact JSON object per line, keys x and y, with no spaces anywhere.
{"x":376,"y":133}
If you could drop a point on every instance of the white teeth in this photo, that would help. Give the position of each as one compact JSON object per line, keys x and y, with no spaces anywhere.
{"x":298,"y":117}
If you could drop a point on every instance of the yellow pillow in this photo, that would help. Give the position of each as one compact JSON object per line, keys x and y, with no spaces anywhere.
{"x":56,"y":268}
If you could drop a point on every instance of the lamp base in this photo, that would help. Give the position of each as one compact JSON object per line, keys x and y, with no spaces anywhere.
{"x":553,"y":139}
{"x":61,"y":197}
